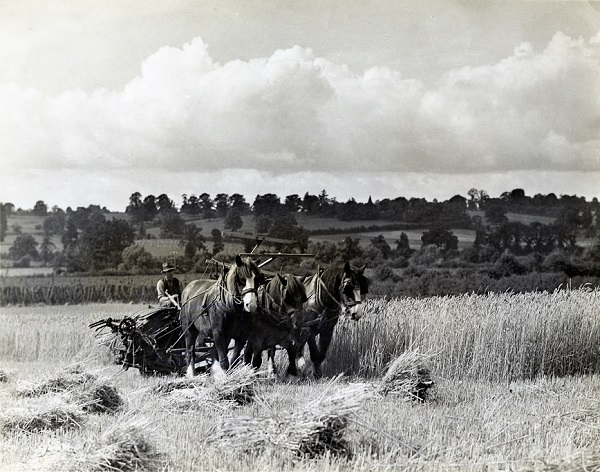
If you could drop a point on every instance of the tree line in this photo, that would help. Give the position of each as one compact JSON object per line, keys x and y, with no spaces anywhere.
{"x":92,"y":242}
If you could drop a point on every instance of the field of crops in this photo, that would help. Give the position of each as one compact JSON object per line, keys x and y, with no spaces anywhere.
{"x":59,"y":290}
{"x":517,"y":387}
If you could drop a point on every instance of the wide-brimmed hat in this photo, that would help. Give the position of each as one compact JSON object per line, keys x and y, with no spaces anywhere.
{"x":166,"y":267}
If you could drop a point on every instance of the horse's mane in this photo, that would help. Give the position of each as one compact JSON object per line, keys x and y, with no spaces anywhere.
{"x":332,"y":277}
{"x":293,"y":284}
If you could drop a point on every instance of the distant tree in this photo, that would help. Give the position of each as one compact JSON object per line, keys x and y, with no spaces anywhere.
{"x":47,"y":248}
{"x":593,"y":252}
{"x":192,"y":241}
{"x":508,"y":265}
{"x":55,"y":223}
{"x":267,"y":204}
{"x":3,"y":221}
{"x":382,"y":245}
{"x":324,"y":201}
{"x":207,"y":207}
{"x":476,"y":198}
{"x":293,"y":203}
{"x":495,"y":213}
{"x":40,"y":208}
{"x":136,"y":209}
{"x":349,"y":249}
{"x":191,"y":206}
{"x":70,"y":234}
{"x":458,"y":200}
{"x":135,"y":202}
{"x":263,"y":224}
{"x":91,"y":242}
{"x":9,"y":208}
{"x":442,"y":238}
{"x":238,"y":202}
{"x":233,"y":220}
{"x":517,"y":194}
{"x":403,"y":246}
{"x":164,"y":203}
{"x":217,"y":238}
{"x":24,"y":245}
{"x":137,"y":258}
{"x":325,"y":251}
{"x":171,"y":225}
{"x":310,"y":203}
{"x":222,"y":205}
{"x":149,"y":208}
{"x":285,"y":226}
{"x":350,"y":210}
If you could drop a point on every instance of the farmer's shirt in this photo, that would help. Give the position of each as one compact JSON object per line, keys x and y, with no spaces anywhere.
{"x":173,"y":287}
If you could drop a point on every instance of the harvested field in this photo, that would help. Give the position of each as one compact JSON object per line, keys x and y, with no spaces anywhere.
{"x":516,"y":387}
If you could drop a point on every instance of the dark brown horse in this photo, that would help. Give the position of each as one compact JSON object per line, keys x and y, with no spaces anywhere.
{"x":217,"y":310}
{"x":277,"y":321}
{"x":332,"y":292}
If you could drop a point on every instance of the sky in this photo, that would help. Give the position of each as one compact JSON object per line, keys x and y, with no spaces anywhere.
{"x":379,"y":99}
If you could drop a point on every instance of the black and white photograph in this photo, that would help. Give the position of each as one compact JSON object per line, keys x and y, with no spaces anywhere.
{"x":344,"y":235}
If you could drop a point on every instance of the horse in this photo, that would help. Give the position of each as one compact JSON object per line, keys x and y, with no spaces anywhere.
{"x":216,"y":310}
{"x":331,"y":293}
{"x":276,"y":321}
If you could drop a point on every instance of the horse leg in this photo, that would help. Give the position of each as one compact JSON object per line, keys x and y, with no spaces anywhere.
{"x":248,"y":353}
{"x":271,"y":361}
{"x":315,"y":356}
{"x":222,"y":347}
{"x":236,"y":358}
{"x":256,"y":356}
{"x":292,"y":352}
{"x":324,"y":342}
{"x":190,"y":350}
{"x":299,"y":362}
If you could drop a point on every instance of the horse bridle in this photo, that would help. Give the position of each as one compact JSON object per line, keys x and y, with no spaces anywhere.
{"x":349,"y":303}
{"x":237,"y":283}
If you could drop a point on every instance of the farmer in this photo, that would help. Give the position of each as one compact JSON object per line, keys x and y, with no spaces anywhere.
{"x":169,"y":285}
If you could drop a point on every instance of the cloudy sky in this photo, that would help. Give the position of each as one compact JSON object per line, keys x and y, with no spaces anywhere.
{"x":383,"y":98}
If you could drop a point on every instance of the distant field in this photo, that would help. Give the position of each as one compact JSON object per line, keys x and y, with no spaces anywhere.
{"x":161,"y":248}
{"x":465,"y":237}
{"x":165,"y":247}
{"x":25,"y":271}
{"x":525,"y":219}
{"x":28,"y":225}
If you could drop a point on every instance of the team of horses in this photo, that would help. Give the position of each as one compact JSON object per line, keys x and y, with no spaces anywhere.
{"x":259,"y":313}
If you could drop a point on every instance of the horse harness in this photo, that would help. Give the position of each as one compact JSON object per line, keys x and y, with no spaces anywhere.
{"x":316,"y":324}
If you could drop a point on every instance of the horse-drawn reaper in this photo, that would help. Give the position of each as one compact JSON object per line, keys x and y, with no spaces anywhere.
{"x":242,"y":306}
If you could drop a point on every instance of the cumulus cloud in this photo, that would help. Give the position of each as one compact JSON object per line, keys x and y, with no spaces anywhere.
{"x":294,"y":112}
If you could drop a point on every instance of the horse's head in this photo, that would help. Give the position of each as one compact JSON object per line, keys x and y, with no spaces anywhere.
{"x":353,"y":291}
{"x":285,"y":293}
{"x":245,"y":276}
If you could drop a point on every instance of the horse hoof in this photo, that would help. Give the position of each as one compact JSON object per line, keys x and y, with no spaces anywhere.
{"x":292,"y":379}
{"x":217,"y":371}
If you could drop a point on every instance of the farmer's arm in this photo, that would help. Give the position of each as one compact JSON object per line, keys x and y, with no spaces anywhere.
{"x":162,"y":296}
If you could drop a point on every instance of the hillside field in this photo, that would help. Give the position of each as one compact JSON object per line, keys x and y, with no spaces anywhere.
{"x":31,"y":224}
{"x":517,"y":387}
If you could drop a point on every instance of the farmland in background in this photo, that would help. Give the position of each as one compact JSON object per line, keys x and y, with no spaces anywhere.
{"x":517,"y":387}
{"x":28,"y":224}
{"x":58,"y":290}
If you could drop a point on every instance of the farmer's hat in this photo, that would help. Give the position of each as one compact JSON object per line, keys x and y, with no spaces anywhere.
{"x":166,"y":267}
